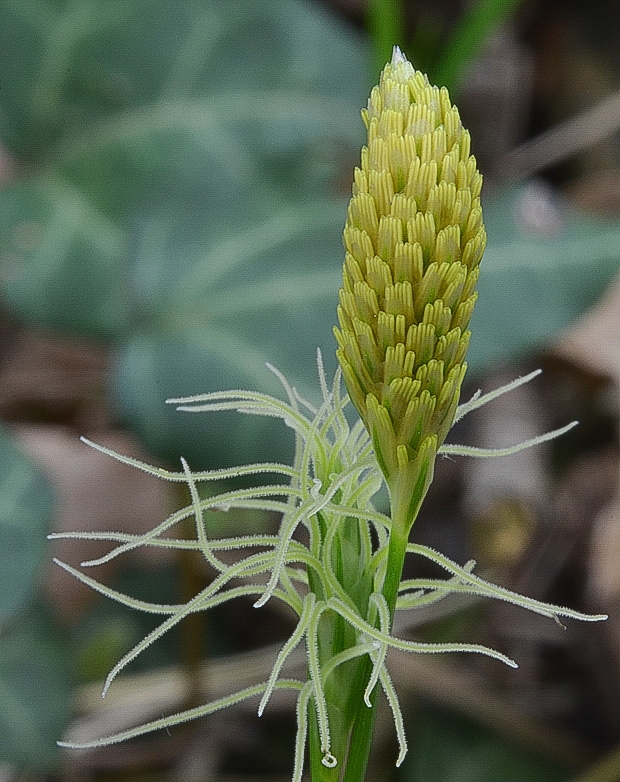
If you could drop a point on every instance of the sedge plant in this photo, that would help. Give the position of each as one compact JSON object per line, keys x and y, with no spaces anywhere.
{"x":414,"y":239}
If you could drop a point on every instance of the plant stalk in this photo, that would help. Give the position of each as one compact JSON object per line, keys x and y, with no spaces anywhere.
{"x":358,"y":719}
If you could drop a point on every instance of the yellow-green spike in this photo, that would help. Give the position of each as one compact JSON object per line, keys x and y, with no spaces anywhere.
{"x":414,"y":238}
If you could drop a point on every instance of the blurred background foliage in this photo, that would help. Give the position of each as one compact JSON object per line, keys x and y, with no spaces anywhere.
{"x":174,"y":179}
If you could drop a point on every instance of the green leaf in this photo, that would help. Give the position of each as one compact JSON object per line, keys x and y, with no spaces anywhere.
{"x":78,"y":65}
{"x":234,"y":108}
{"x":448,"y":748}
{"x":35,"y":693}
{"x":215,"y":312}
{"x":61,"y":261}
{"x":151,"y":369}
{"x":25,"y":510}
{"x":386,"y":27}
{"x":532,"y":284}
{"x":473,"y":30}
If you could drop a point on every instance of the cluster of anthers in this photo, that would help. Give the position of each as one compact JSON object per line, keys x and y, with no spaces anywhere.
{"x":414,"y":238}
{"x":334,"y":477}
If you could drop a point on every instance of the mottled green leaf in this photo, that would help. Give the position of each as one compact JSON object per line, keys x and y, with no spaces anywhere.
{"x":25,"y":511}
{"x":35,"y":692}
{"x":61,"y":261}
{"x":534,"y":282}
{"x":231,"y":109}
{"x":75,"y":69}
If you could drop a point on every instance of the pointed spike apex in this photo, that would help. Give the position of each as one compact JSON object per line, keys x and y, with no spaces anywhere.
{"x":398,"y":57}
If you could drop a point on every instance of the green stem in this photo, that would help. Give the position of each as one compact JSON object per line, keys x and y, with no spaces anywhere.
{"x":319,"y":772}
{"x":407,"y":492}
{"x":362,"y":733}
{"x":362,"y":720}
{"x":364,"y":723}
{"x":352,"y":744}
{"x":396,"y":558}
{"x":352,"y":721}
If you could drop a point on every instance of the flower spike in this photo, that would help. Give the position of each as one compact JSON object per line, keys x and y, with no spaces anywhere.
{"x":413,"y":241}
